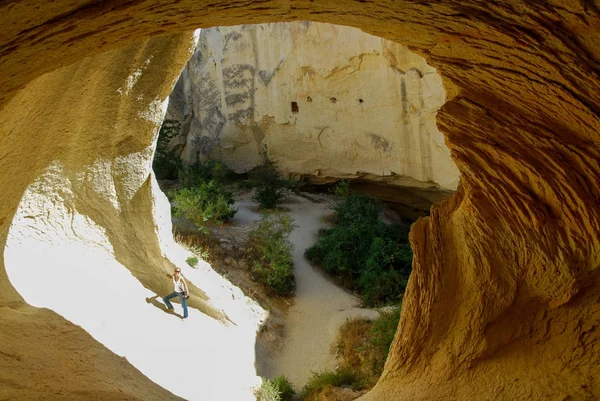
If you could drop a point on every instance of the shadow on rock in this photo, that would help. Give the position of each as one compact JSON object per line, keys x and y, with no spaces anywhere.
{"x":158,"y":304}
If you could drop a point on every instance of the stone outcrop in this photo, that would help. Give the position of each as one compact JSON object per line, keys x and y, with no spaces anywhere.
{"x":504,"y":300}
{"x":88,"y":236}
{"x":318,"y":99}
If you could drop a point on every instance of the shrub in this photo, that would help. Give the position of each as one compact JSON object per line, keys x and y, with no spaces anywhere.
{"x":271,"y":251}
{"x":382,"y":335}
{"x":342,"y":189}
{"x":286,"y":391}
{"x":194,"y":175}
{"x":206,"y":205}
{"x":363,"y":346}
{"x":268,"y":197}
{"x":192,"y":261}
{"x":351,"y":344}
{"x":386,"y":272}
{"x":360,"y":249}
{"x":321,"y":380}
{"x":196,"y":243}
{"x":166,"y":162}
{"x":271,"y":189}
{"x":267,"y":391}
{"x":278,"y":389}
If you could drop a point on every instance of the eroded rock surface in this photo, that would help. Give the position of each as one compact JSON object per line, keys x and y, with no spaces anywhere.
{"x":319,"y":99}
{"x":90,"y":239}
{"x":504,"y":299}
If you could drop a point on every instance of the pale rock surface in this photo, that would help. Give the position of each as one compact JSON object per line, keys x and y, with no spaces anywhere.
{"x":319,"y":99}
{"x":89,"y":246}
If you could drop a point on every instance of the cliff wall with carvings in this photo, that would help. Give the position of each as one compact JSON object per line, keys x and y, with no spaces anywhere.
{"x":320,"y":100}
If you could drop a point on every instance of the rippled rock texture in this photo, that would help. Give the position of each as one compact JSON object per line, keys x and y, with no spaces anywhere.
{"x":504,"y":299}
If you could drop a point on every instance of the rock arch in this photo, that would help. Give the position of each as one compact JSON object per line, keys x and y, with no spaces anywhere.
{"x":504,"y":299}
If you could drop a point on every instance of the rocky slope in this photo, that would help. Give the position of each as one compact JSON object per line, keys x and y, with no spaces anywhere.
{"x":319,"y":99}
{"x":504,"y":299}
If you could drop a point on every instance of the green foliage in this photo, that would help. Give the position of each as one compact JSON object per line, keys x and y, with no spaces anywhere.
{"x":271,"y":251}
{"x":268,"y":197}
{"x":368,"y":255}
{"x":286,"y":391}
{"x":386,"y":271}
{"x":206,"y":205}
{"x":194,"y":175}
{"x":166,"y":163}
{"x":342,"y":189}
{"x":278,"y":389}
{"x":192,"y":261}
{"x":343,"y":377}
{"x":268,"y":391}
{"x":195,"y":243}
{"x":271,"y":189}
{"x":363,"y":346}
{"x":381,"y":336}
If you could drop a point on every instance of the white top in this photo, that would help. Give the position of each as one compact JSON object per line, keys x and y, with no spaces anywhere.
{"x":178,"y":284}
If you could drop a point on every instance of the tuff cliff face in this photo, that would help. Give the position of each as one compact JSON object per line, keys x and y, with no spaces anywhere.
{"x":504,"y":300}
{"x":90,"y":239}
{"x":319,"y":99}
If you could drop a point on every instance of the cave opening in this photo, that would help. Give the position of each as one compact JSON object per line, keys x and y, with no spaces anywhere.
{"x":502,"y":302}
{"x":227,"y":108}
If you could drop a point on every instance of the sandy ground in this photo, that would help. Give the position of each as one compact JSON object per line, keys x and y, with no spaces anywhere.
{"x":320,"y":307}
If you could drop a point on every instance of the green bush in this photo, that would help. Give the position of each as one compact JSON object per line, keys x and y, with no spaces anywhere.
{"x":166,"y":163}
{"x":267,"y":391}
{"x":271,"y":189}
{"x":194,"y":175}
{"x":342,"y":189}
{"x":192,"y":261}
{"x":268,"y":197}
{"x":286,"y":391}
{"x":382,"y":335}
{"x":386,"y":271}
{"x":206,"y":205}
{"x":363,"y":346}
{"x":278,"y":389}
{"x":343,"y":377}
{"x":368,"y":255}
{"x":271,"y":251}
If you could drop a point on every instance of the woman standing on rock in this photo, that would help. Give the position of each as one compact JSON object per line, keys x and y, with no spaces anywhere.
{"x":180,"y":289}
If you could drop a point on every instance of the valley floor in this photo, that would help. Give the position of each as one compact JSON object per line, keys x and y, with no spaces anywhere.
{"x":319,"y":306}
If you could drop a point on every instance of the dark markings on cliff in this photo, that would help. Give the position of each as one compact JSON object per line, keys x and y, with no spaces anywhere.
{"x":237,"y":75}
{"x":379,"y":143}
{"x":404,"y":101}
{"x":266,"y":76}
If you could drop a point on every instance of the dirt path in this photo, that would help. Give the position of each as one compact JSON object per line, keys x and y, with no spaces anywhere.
{"x":320,"y":307}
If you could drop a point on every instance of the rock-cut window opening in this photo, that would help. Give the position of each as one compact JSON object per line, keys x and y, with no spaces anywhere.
{"x":295,"y":107}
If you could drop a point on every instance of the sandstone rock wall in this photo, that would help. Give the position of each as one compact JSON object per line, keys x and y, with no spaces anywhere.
{"x":504,"y":299}
{"x":319,"y":99}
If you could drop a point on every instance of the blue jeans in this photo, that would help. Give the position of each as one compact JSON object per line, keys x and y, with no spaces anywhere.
{"x":181,"y":299}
